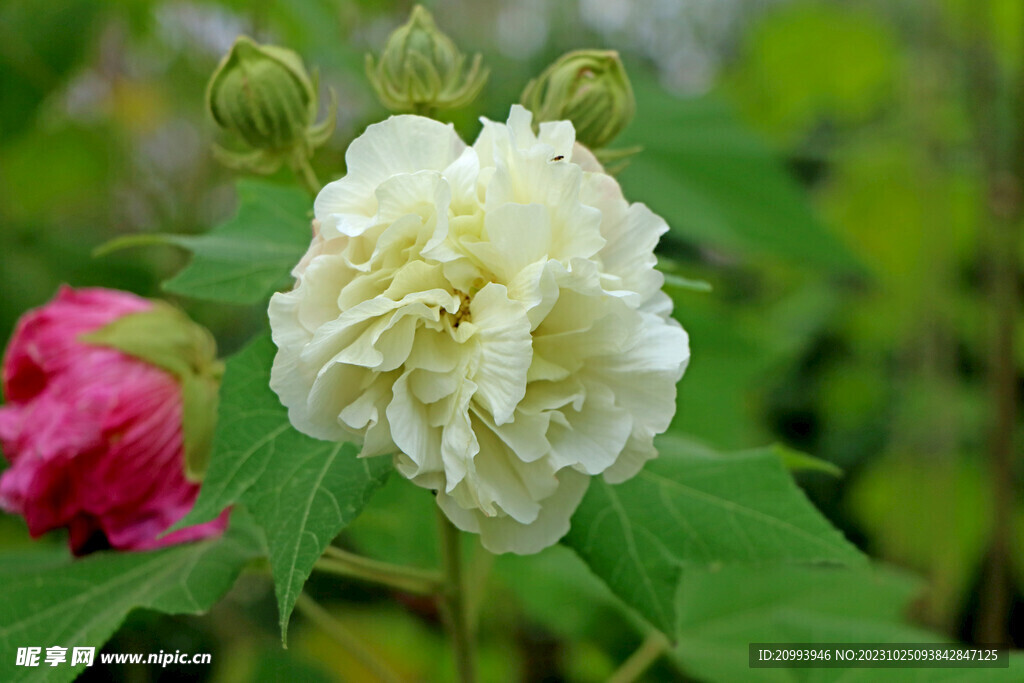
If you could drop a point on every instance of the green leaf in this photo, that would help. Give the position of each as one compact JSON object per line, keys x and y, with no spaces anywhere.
{"x":692,"y":507}
{"x":246,"y":259}
{"x":303,"y":501}
{"x":796,"y":461}
{"x":82,"y":603}
{"x":302,"y":491}
{"x":718,"y":185}
{"x":555,"y":589}
{"x":721,"y":612}
{"x":400,"y":526}
{"x":673,"y":281}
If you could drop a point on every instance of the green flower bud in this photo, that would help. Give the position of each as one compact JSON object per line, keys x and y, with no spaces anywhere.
{"x":421,"y":69}
{"x":263,"y":94}
{"x":167,"y":338}
{"x":589,"y":88}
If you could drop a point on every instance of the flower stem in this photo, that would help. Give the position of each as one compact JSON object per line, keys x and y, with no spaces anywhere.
{"x":649,"y":651}
{"x":453,"y":600}
{"x":304,"y":170}
{"x":477,"y":574}
{"x":423,"y":110}
{"x":334,"y":628}
{"x":407,"y":579}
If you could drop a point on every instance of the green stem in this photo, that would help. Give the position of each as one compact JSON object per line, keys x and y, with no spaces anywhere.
{"x":998,"y":97}
{"x":453,"y":602}
{"x":407,"y":579}
{"x":653,"y":647}
{"x":479,"y":571}
{"x":303,"y":169}
{"x":334,"y":628}
{"x":423,"y":110}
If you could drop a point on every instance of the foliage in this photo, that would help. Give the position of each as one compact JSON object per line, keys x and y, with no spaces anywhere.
{"x":833,"y":188}
{"x":302,"y":491}
{"x":81,"y":604}
{"x":693,"y":507}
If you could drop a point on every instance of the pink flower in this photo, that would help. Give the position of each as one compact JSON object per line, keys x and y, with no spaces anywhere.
{"x":94,"y":436}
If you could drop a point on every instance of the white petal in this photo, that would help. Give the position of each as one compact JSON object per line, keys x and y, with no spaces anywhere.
{"x":560,"y":135}
{"x":504,"y":534}
{"x":515,"y":236}
{"x":644,"y":377}
{"x":462,"y":176}
{"x":505,"y":351}
{"x":638,"y":451}
{"x":401,"y":144}
{"x":586,"y":159}
{"x":593,"y":436}
{"x":411,"y":430}
{"x":520,"y":127}
{"x":490,"y":315}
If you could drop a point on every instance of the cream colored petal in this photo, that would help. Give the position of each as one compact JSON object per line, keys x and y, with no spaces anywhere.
{"x":325,"y":276}
{"x":462,"y":176}
{"x":593,"y":436}
{"x":561,"y":136}
{"x":524,"y":436}
{"x":504,"y":534}
{"x":401,"y":144}
{"x":644,"y":377}
{"x":411,"y":430}
{"x":499,"y":482}
{"x":345,"y":207}
{"x":505,"y":351}
{"x":290,"y":379}
{"x":459,"y":443}
{"x":515,"y":236}
{"x":430,"y":387}
{"x":520,"y":127}
{"x":425,"y":194}
{"x":638,"y":451}
{"x":335,"y":387}
{"x":536,"y":287}
{"x":580,"y":327}
{"x":586,"y":159}
{"x":435,"y":351}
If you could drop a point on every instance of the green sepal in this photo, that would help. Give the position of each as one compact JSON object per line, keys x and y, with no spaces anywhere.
{"x":421,"y":69}
{"x":260,"y":161}
{"x":589,"y":88}
{"x":168,"y":339}
{"x":263,"y":96}
{"x":199,"y":398}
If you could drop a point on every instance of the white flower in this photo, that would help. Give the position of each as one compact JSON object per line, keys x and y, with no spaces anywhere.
{"x":489,"y":313}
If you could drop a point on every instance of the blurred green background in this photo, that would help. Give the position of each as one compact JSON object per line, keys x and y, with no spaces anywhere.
{"x":845,"y":174}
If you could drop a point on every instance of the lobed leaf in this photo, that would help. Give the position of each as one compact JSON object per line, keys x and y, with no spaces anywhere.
{"x":82,"y":603}
{"x":695,"y":508}
{"x":721,"y":612}
{"x":302,"y":491}
{"x":247,"y":258}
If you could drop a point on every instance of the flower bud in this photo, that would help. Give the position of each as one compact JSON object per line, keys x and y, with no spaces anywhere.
{"x":110,"y":399}
{"x":589,"y":88}
{"x":263,"y":94}
{"x":166,"y":338}
{"x":421,"y":69}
